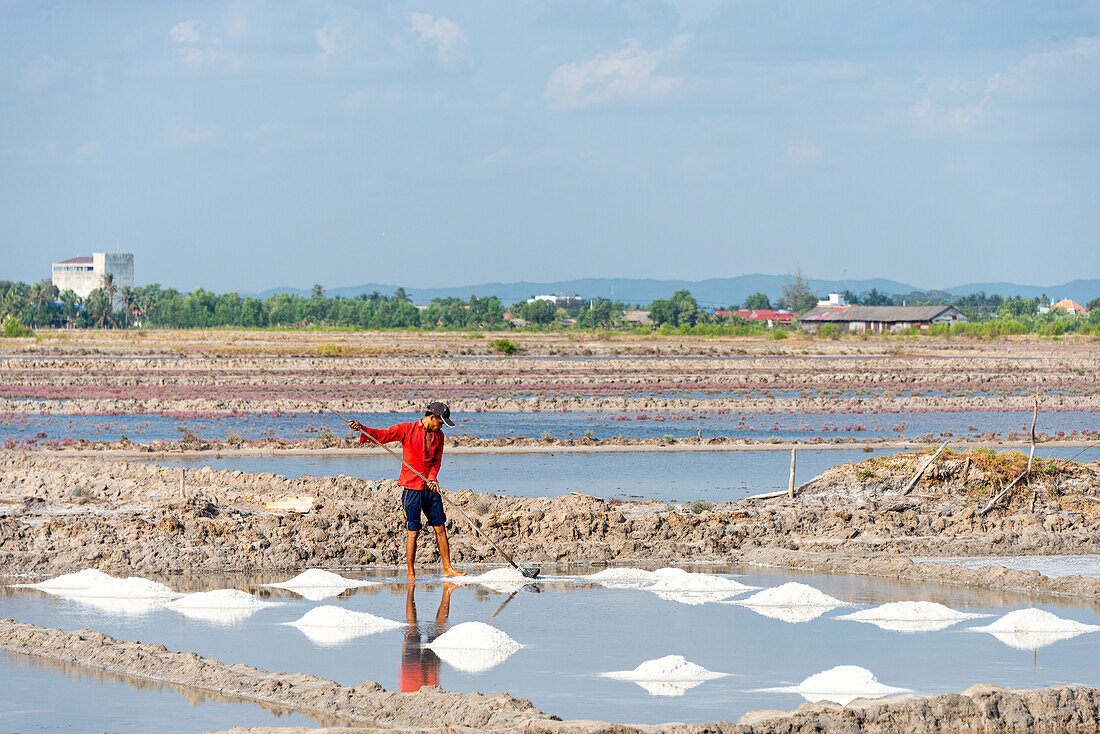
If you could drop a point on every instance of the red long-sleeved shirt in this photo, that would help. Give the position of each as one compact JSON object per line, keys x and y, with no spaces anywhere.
{"x":423,"y":456}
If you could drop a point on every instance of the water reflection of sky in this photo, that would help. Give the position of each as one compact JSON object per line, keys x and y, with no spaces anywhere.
{"x":628,"y":424}
{"x":572,"y":631}
{"x":668,"y":476}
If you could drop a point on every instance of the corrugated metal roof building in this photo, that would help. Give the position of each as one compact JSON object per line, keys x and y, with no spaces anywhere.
{"x":879,"y":319}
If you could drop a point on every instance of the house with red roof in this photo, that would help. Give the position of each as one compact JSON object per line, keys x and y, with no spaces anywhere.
{"x":772,"y":316}
{"x":1069,"y":305}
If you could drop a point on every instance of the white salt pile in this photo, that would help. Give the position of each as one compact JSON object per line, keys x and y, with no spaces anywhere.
{"x":671,"y":675}
{"x":792,"y":602}
{"x":473,"y":647}
{"x":1030,"y":629}
{"x":911,"y":616}
{"x":222,"y":606}
{"x":69,"y":581}
{"x":668,"y":668}
{"x":133,"y":587}
{"x":316,"y":584}
{"x":842,"y":684}
{"x":677,"y":579}
{"x":132,"y":595}
{"x":330,"y":625}
{"x":678,"y":585}
{"x":622,"y":578}
{"x":672,"y":584}
{"x":499,"y":579}
{"x":791,"y":594}
{"x":221,"y":599}
{"x":621,"y":574}
{"x":474,"y":636}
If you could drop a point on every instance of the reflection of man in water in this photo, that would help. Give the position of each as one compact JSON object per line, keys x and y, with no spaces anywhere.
{"x":419,"y":665}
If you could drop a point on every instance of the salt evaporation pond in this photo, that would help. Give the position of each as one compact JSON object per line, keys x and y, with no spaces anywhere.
{"x":1047,"y":565}
{"x":573,"y":626}
{"x":668,"y":476}
{"x":605,"y":424}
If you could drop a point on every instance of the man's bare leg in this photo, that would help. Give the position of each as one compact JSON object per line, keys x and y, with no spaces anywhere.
{"x":445,"y":551}
{"x":410,"y":555}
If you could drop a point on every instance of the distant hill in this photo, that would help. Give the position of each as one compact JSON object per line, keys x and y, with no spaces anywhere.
{"x":713,"y":292}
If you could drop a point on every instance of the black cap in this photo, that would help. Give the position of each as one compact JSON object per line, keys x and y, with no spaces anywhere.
{"x":441,"y":410}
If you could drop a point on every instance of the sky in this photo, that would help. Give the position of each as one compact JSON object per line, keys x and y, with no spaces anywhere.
{"x":245,"y":145}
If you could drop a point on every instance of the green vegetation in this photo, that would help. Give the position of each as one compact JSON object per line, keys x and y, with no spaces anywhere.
{"x":758,"y":301}
{"x":504,"y":346}
{"x":24,"y":307}
{"x":14,"y":329}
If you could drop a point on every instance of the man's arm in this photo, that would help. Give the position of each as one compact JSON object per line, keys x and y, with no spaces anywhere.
{"x":382,"y":435}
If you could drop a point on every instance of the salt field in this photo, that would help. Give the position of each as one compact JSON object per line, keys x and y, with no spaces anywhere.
{"x":1053,"y":566}
{"x":556,"y":641}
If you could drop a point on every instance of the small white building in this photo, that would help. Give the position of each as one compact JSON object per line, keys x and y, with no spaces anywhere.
{"x":82,"y":275}
{"x":835,"y":300}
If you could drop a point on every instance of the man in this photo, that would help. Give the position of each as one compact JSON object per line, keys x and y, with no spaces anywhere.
{"x":422,"y":449}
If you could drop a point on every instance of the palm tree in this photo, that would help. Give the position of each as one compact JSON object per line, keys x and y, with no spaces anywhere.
{"x":109,"y":288}
{"x":128,"y":300}
{"x":99,"y":309}
{"x":38,"y":300}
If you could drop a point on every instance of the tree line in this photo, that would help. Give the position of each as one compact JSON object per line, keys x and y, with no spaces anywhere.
{"x":40,"y":304}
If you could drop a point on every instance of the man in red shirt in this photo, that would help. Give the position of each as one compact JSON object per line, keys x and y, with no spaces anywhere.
{"x":422,"y":449}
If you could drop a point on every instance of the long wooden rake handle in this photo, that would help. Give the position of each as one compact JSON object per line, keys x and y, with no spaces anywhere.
{"x":442,"y":494}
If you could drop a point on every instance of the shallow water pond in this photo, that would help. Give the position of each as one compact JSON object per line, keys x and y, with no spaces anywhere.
{"x":782,"y":424}
{"x":667,"y":476}
{"x":571,"y":630}
{"x":1054,"y":566}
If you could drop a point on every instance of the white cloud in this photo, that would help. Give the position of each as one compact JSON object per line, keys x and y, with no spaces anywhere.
{"x":1066,"y":77}
{"x":88,"y":149}
{"x":803,"y":151}
{"x":328,"y":38}
{"x":198,"y":50}
{"x":185,"y":32}
{"x":447,"y":37}
{"x":178,"y":134}
{"x":624,"y":76}
{"x":41,"y":73}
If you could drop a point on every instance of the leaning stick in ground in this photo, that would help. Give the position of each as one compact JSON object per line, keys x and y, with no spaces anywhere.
{"x":1027,"y":471}
{"x":920,"y":472}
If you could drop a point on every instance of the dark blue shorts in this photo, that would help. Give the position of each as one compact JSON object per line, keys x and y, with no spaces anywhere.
{"x":415,"y":501}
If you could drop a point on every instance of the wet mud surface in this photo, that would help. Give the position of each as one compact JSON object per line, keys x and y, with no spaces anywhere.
{"x":63,"y":514}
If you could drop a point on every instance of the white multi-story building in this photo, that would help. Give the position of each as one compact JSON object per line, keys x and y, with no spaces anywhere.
{"x":82,"y":275}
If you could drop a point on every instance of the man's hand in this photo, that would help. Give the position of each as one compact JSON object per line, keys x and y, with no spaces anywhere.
{"x":433,"y":485}
{"x":355,"y":425}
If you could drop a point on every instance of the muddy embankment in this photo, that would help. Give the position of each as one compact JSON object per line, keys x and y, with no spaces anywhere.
{"x":60,"y":514}
{"x":369,"y":707}
{"x":219,"y":373}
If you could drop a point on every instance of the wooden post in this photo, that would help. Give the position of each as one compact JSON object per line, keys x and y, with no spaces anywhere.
{"x":1030,"y":456}
{"x":183,"y":472}
{"x":913,"y":482}
{"x":790,"y":482}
